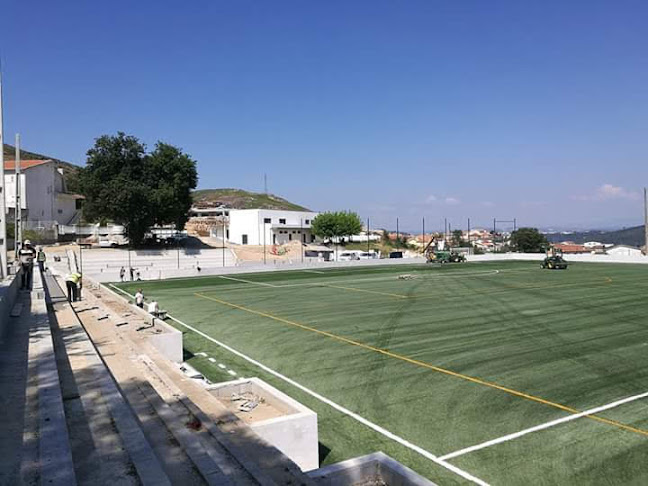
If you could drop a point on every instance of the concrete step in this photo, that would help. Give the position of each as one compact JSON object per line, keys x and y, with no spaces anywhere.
{"x":108,"y":444}
{"x":47,"y":453}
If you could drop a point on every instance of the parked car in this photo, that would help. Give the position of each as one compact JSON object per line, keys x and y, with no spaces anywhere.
{"x":396,"y":254}
{"x":347,"y":256}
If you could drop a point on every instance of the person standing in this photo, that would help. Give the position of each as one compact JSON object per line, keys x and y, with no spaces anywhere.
{"x":72,"y":281}
{"x":139,"y":299}
{"x":41,"y":258}
{"x":122,"y":273}
{"x":132,"y":272}
{"x":26,"y":256}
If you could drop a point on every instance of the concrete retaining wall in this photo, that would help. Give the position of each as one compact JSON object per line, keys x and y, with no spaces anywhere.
{"x":581,"y":257}
{"x":8,"y":293}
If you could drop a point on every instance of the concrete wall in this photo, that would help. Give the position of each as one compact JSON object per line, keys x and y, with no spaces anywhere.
{"x":8,"y":293}
{"x":582,"y":257}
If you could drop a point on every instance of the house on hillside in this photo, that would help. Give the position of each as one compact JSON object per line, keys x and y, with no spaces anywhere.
{"x":44,"y":196}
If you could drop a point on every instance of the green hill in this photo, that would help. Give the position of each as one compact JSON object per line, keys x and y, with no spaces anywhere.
{"x":628,"y":236}
{"x":240,"y":199}
{"x":70,"y":171}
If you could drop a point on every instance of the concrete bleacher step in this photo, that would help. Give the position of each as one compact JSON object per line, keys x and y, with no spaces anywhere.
{"x":107,"y":442}
{"x":47,"y":454}
{"x":182,"y":455}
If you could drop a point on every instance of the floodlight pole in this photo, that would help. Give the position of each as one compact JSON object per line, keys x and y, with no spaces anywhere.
{"x":3,"y":209}
{"x":469,"y":232}
{"x":301,"y":235}
{"x":645,"y":221}
{"x":80,"y":270}
{"x":223,"y":238}
{"x":368,"y":235}
{"x":264,"y":242}
{"x":424,"y":232}
{"x":397,"y":236}
{"x":18,"y":200}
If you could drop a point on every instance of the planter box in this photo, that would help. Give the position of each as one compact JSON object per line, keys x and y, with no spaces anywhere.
{"x":281,"y":421}
{"x":370,"y":470}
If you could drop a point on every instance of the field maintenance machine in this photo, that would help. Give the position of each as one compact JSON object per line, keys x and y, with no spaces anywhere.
{"x":554,"y":260}
{"x":436,"y":252}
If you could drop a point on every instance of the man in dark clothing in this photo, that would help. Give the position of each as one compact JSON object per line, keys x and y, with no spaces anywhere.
{"x":26,"y":257}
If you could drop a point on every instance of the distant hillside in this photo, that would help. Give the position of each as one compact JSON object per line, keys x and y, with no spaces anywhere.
{"x":240,"y":199}
{"x":70,"y":171}
{"x":628,"y":236}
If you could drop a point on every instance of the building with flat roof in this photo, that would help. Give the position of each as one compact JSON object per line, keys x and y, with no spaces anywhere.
{"x":269,"y":226}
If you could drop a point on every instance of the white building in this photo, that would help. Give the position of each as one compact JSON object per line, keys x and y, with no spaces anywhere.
{"x":269,"y":226}
{"x":623,"y":250}
{"x":43,"y":194}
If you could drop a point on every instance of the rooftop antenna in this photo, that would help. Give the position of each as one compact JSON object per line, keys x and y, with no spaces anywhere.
{"x":3,"y":210}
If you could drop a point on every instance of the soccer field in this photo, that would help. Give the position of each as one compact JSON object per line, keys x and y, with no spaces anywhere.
{"x":499,"y":371}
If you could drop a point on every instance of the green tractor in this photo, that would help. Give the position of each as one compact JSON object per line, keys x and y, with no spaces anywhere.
{"x":434,"y":255}
{"x":554,"y":260}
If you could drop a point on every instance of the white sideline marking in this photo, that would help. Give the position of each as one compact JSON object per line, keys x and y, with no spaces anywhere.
{"x":248,"y":281}
{"x":232,"y":372}
{"x":221,"y":366}
{"x":315,"y":271}
{"x":339,"y":408}
{"x":211,"y":360}
{"x":546,"y":425}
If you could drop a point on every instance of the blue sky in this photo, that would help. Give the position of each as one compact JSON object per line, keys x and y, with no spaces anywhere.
{"x":480,"y":109}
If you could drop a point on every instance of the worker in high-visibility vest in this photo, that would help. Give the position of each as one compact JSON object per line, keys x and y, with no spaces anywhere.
{"x":72,"y":281}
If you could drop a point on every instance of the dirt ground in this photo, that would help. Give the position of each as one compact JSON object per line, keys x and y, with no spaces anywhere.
{"x":289,"y":251}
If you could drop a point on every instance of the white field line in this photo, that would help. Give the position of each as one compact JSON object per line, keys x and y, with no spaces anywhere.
{"x":357,"y":280}
{"x":315,"y":271}
{"x":339,"y":408}
{"x":544,"y":426}
{"x":249,"y":281}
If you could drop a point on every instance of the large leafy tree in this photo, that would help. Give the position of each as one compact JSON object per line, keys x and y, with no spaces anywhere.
{"x":336,"y":225}
{"x":528,"y":240}
{"x":124,"y":184}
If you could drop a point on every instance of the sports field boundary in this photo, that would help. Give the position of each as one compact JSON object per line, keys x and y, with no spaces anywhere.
{"x":377,"y":428}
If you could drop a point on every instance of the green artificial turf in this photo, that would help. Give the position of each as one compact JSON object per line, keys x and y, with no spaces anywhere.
{"x":423,"y":358}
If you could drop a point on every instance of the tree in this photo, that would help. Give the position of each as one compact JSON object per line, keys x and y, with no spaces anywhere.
{"x":337,"y":224}
{"x":124,"y":184}
{"x":528,"y":240}
{"x":457,"y":238}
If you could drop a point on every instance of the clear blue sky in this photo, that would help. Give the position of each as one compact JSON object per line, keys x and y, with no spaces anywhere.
{"x":481,"y":109}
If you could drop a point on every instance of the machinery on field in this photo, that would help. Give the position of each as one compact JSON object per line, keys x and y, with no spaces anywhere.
{"x":554,"y":260}
{"x":436,"y":252}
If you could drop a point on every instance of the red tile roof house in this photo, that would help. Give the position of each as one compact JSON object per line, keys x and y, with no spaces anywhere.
{"x":572,"y":248}
{"x":43,"y":196}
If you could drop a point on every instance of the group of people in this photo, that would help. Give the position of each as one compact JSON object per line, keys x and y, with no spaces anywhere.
{"x":26,"y":256}
{"x":152,"y":308}
{"x":134,"y":274}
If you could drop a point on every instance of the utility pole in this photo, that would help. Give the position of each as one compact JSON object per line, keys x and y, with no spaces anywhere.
{"x":645,"y":221}
{"x":3,"y":209}
{"x":265,"y":184}
{"x":18,"y":210}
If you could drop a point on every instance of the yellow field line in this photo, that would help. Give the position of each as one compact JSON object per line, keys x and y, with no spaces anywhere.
{"x":423,"y":364}
{"x":399,"y":296}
